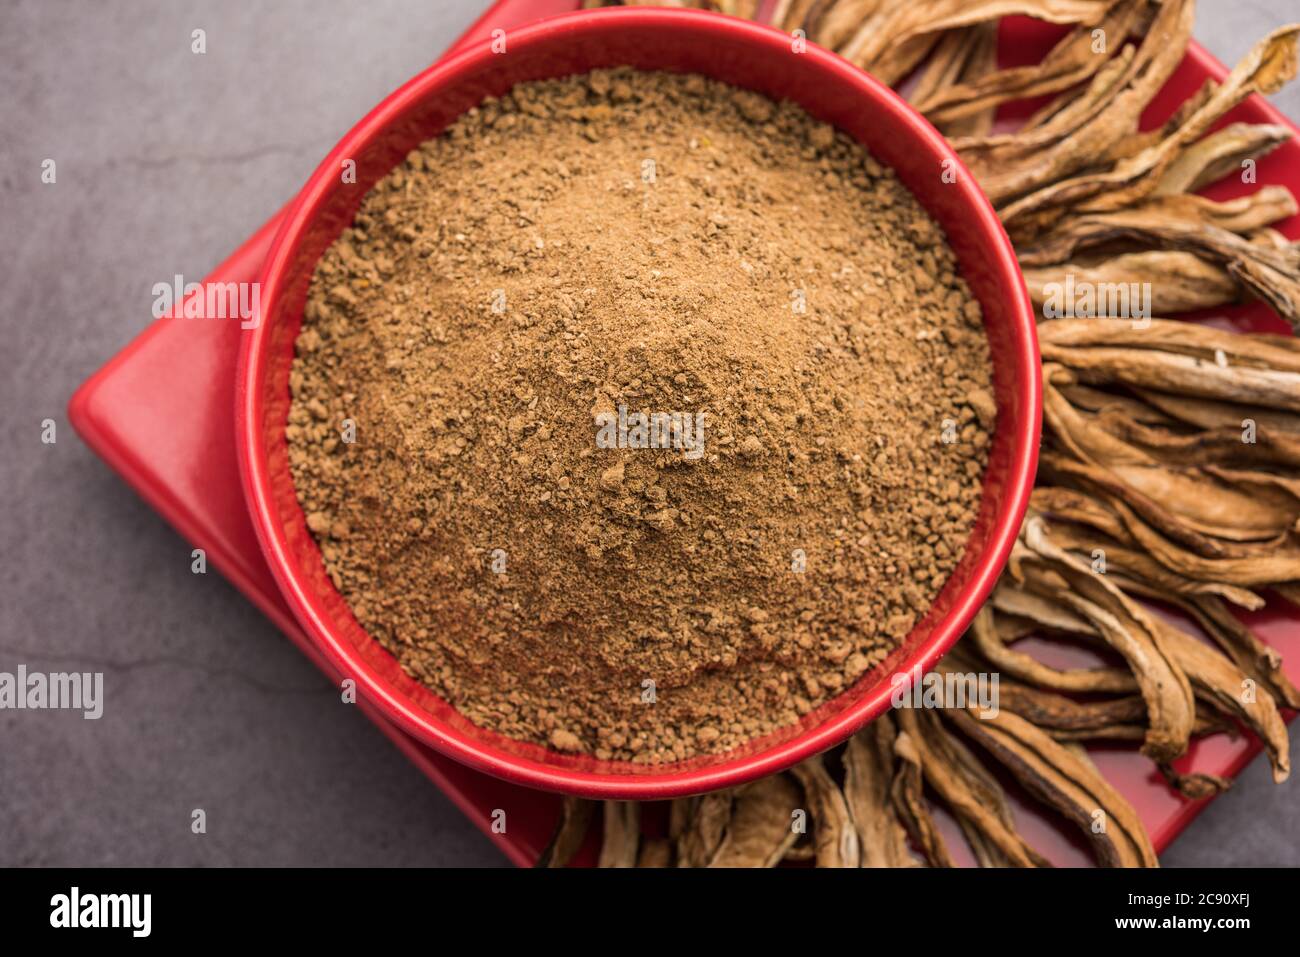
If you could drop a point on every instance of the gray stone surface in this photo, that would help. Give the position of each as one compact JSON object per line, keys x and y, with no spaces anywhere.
{"x":166,"y":162}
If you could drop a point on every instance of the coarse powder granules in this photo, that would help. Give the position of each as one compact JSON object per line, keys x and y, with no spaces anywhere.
{"x":478,"y":348}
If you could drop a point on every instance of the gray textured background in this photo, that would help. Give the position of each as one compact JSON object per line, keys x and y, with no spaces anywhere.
{"x":166,"y":162}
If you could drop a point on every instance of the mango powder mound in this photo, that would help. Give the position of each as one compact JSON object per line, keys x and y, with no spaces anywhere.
{"x":479,"y":348}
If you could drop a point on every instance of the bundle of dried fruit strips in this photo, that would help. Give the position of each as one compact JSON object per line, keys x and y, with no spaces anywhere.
{"x":1169,"y":452}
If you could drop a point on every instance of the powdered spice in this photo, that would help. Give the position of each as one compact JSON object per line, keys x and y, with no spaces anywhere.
{"x":812,"y":372}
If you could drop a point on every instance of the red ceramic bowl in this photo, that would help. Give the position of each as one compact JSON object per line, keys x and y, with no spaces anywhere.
{"x":745,"y":55}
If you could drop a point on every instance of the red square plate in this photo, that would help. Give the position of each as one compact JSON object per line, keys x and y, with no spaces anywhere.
{"x":161,"y":413}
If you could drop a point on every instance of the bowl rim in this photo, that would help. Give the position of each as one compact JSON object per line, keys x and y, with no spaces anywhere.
{"x":348,"y":660}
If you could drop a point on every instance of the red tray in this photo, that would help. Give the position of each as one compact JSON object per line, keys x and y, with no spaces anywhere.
{"x":161,"y":414}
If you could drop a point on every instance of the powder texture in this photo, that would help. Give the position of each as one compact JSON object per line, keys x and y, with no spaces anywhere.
{"x":665,"y":244}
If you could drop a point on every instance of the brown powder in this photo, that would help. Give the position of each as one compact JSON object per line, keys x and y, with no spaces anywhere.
{"x":665,"y":244}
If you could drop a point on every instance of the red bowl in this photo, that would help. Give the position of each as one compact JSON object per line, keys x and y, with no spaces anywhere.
{"x":745,"y":55}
